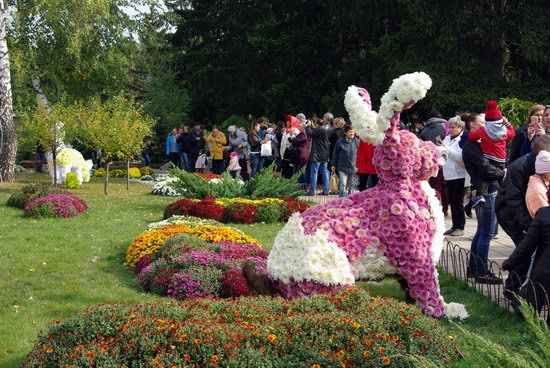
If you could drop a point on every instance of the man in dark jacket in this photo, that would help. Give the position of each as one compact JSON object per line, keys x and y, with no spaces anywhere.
{"x":320,"y":153}
{"x":537,"y":238}
{"x":434,"y":129}
{"x":517,"y":142}
{"x":196,"y":145}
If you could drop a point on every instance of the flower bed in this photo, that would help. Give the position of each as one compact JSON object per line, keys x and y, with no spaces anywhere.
{"x":56,"y":205}
{"x":29,"y":193}
{"x":150,"y":241}
{"x":349,"y":328}
{"x":135,"y":172}
{"x":237,"y":210}
{"x":186,"y":266}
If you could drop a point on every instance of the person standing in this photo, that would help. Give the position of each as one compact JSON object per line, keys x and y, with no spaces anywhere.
{"x":255,"y":142}
{"x":196,"y":144}
{"x":301,"y":144}
{"x":172,"y":147}
{"x":454,"y":174}
{"x":217,"y":141}
{"x":434,"y":131}
{"x":344,"y":158}
{"x":368,"y":177}
{"x":147,"y":150}
{"x":238,"y":143}
{"x":320,"y":153}
{"x":525,"y":132}
{"x":185,"y":143}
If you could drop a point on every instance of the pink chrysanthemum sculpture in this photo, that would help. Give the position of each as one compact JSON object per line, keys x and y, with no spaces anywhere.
{"x":394,"y":228}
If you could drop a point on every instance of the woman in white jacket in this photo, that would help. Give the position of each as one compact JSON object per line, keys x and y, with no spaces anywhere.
{"x":454,"y":174}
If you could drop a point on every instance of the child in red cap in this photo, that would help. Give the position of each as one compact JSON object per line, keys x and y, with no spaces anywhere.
{"x":492,"y":139}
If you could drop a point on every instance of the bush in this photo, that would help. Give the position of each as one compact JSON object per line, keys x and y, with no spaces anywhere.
{"x":515,"y":110}
{"x":236,"y":120}
{"x":267,"y":183}
{"x":56,"y":205}
{"x":349,"y":328}
{"x":28,"y":194}
{"x":100,"y":173}
{"x":146,"y":170}
{"x":134,"y":172}
{"x":117,"y":173}
{"x":71,"y":181}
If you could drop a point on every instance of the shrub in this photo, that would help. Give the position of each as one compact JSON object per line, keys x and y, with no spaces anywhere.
{"x":236,"y":120}
{"x":100,"y":173}
{"x":56,"y":205}
{"x":117,"y":173}
{"x":515,"y":110}
{"x":267,"y":184}
{"x":28,"y":194}
{"x":270,"y":212}
{"x":146,"y":170}
{"x":71,"y":181}
{"x":349,"y":328}
{"x":135,"y":172}
{"x":150,"y":241}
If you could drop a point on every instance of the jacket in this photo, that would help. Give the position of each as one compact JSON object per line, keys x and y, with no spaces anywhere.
{"x":336,"y":134}
{"x":169,"y":142}
{"x":454,"y":166}
{"x":510,"y":205}
{"x":239,"y":144}
{"x":195,"y":145}
{"x":303,"y":143}
{"x":345,"y":155}
{"x":537,"y":194}
{"x":435,"y":127}
{"x":320,"y":144}
{"x":517,"y":143}
{"x":216,"y":145}
{"x":537,"y":238}
{"x":493,"y":140}
{"x":364,"y":164}
{"x":477,"y":165}
{"x":255,"y":142}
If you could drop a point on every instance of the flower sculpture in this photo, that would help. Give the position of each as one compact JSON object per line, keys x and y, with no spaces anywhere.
{"x":394,"y":228}
{"x":70,"y":160}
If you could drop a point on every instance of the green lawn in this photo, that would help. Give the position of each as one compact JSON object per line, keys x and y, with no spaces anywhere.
{"x":56,"y":267}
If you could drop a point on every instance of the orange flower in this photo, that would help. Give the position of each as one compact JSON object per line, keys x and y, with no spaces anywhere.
{"x":366,"y":354}
{"x":382,"y":349}
{"x":272,"y":338}
{"x":49,"y":350}
{"x":340,"y":354}
{"x":90,"y":354}
{"x":386,"y":360}
{"x":198,"y":341}
{"x":315,"y":366}
{"x":187,"y":357}
{"x":356,"y":325}
{"x":214,"y":359}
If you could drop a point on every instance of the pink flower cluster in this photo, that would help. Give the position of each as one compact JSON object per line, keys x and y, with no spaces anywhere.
{"x":394,"y":217}
{"x":56,"y":205}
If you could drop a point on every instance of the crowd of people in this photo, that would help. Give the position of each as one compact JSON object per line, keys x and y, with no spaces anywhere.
{"x":508,"y":187}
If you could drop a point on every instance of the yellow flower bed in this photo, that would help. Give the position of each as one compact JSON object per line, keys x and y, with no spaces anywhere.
{"x":150,"y":241}
{"x":255,"y":202}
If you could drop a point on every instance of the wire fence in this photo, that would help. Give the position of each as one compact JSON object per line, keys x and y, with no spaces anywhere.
{"x":455,"y":261}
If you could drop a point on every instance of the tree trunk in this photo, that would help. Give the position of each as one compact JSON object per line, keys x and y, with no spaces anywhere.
{"x":127,"y":175}
{"x":106,"y":176}
{"x":8,"y":136}
{"x":54,"y":158}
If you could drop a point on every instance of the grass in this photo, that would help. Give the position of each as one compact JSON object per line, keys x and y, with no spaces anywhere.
{"x":54,"y":268}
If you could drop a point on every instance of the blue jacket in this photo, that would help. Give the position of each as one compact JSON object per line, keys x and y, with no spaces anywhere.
{"x":345,"y":155}
{"x":169,"y":141}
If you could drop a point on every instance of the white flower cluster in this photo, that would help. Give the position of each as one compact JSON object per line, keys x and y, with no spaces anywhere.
{"x":456,"y":310}
{"x":302,"y":257}
{"x":439,"y":219}
{"x":404,"y":90}
{"x":372,"y":266}
{"x":164,"y":189}
{"x":183,"y":220}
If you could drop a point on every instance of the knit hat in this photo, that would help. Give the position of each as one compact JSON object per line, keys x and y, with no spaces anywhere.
{"x":492,"y":113}
{"x":232,"y":129}
{"x":542,"y":163}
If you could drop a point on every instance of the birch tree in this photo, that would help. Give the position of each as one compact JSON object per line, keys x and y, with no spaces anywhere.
{"x":8,"y":137}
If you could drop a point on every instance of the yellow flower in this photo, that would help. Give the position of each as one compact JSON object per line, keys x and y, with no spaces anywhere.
{"x":315,"y":366}
{"x":366,"y":354}
{"x":340,"y":354}
{"x":386,"y":360}
{"x":214,"y":359}
{"x":356,"y":325}
{"x":272,"y":338}
{"x":49,"y":350}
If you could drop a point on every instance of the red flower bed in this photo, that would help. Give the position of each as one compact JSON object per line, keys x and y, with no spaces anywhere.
{"x":292,"y":205}
{"x":208,"y":176}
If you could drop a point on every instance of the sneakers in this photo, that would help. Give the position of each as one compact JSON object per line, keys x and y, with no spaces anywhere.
{"x":457,"y":232}
{"x":488,"y":278}
{"x":449,"y":232}
{"x":478,"y":202}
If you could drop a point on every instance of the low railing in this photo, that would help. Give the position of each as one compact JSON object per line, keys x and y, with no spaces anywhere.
{"x":454,"y":260}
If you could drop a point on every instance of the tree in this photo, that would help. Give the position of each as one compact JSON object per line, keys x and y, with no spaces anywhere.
{"x":115,"y":127}
{"x":8,"y":137}
{"x":49,"y":127}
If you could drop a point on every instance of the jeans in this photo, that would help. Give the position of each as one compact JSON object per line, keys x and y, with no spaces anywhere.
{"x":344,"y":183}
{"x":256,"y":163}
{"x":184,"y":159}
{"x":315,"y":167}
{"x":486,"y":222}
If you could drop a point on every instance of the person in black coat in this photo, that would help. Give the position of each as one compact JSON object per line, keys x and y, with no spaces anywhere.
{"x":196,"y":145}
{"x":320,"y":152}
{"x":537,"y":239}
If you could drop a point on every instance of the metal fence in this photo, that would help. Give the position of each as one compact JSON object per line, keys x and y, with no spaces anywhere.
{"x":454,"y":260}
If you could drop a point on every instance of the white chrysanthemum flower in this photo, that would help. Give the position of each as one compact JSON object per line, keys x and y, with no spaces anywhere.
{"x":456,"y":310}
{"x":372,"y":266}
{"x":438,"y":218}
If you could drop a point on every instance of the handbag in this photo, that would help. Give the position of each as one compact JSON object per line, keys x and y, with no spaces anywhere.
{"x":266,"y":150}
{"x":333,"y":183}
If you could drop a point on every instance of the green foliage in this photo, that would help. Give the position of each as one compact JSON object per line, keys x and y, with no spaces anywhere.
{"x":235,"y":120}
{"x":71,"y":181}
{"x":267,"y":183}
{"x":179,"y":244}
{"x":146,"y":170}
{"x":192,"y":186}
{"x":327,"y":330}
{"x":27,"y":194}
{"x":100,"y":173}
{"x":117,"y":173}
{"x":515,"y":110}
{"x":269,"y":213}
{"x":42,"y":210}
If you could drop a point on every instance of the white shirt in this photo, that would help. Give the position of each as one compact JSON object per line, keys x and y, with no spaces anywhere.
{"x":454,"y":167}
